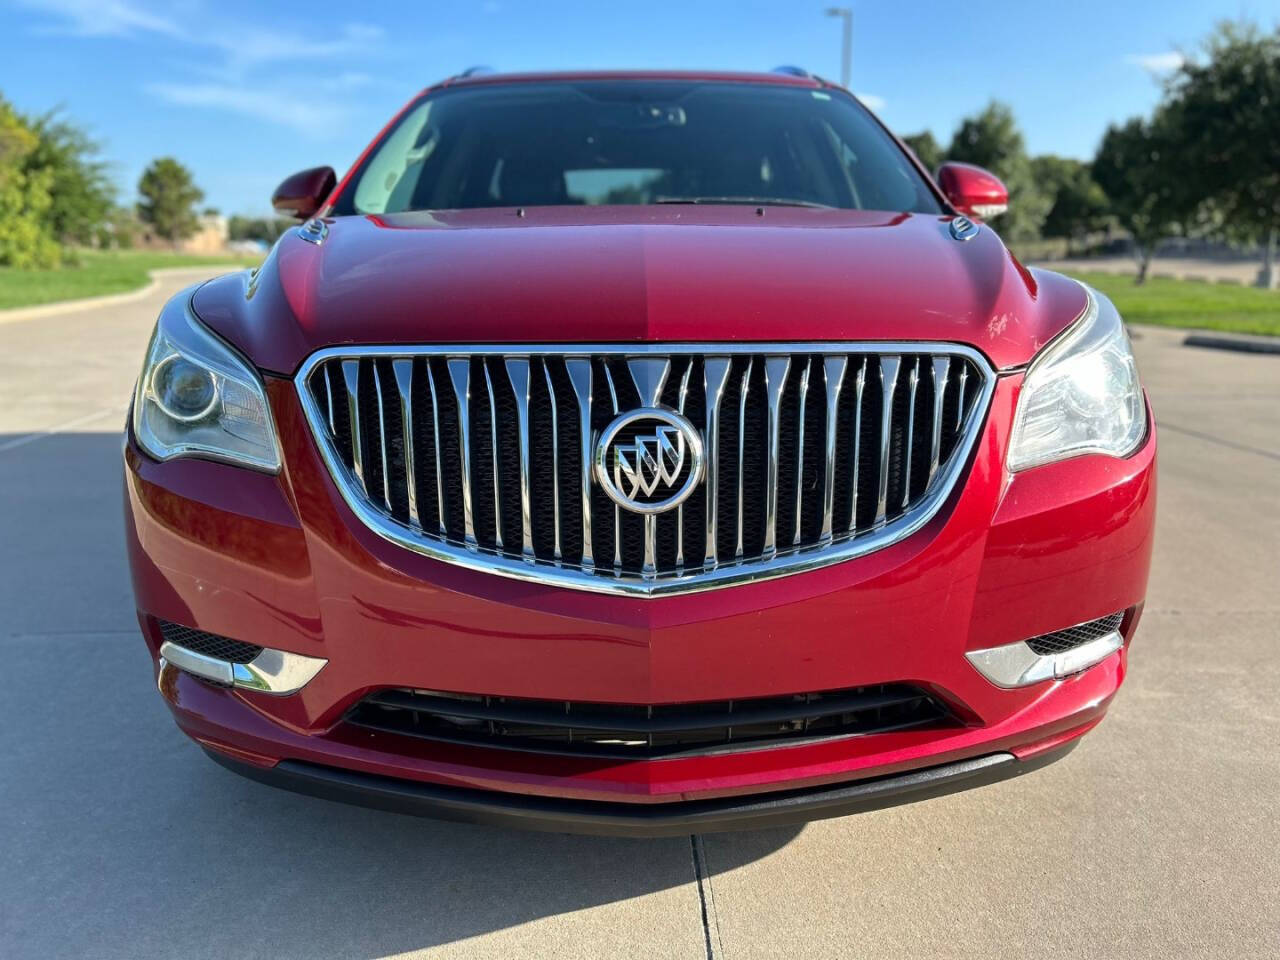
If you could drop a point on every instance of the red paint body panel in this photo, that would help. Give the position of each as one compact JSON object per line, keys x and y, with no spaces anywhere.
{"x":630,"y":274}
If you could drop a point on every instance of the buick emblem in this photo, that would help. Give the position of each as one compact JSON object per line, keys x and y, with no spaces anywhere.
{"x":649,"y":460}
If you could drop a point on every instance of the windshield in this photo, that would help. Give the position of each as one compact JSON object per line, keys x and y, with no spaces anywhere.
{"x":635,"y":142}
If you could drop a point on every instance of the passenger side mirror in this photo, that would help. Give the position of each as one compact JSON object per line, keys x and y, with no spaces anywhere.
{"x":973,"y":191}
{"x":302,"y":194}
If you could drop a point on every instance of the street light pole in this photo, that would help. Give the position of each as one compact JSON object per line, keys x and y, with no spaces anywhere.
{"x":846,"y":50}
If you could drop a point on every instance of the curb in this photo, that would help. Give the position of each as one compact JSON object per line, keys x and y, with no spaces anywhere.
{"x":60,"y":307}
{"x":1236,"y":344}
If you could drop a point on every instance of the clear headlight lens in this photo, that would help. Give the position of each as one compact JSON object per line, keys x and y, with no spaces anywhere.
{"x":1081,"y":394}
{"x":197,"y":398}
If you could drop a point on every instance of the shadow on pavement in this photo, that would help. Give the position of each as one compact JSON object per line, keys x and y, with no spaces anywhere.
{"x":121,"y":839}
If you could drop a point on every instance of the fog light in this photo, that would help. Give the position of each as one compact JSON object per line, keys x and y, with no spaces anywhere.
{"x":1053,"y":656}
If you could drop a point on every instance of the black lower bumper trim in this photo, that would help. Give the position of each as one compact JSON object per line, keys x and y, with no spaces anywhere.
{"x":563,"y":815}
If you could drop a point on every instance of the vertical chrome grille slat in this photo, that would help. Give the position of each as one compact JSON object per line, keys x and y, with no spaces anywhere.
{"x":402,"y":369}
{"x":493,"y":444}
{"x":579,"y":371}
{"x":914,"y":381}
{"x":518,"y":371}
{"x":351,"y":380}
{"x":833,"y":370}
{"x":460,"y":377}
{"x":941,"y":369}
{"x":865,"y":467}
{"x":649,"y":568}
{"x":556,"y":551}
{"x":617,"y":511}
{"x":649,"y":375}
{"x":382,"y":437}
{"x":742,"y":435}
{"x":328,"y":394}
{"x":715,"y":374}
{"x":435,"y":446}
{"x":681,"y":398}
{"x":804,"y":396}
{"x":888,"y":380}
{"x":775,"y":378}
{"x":859,"y":385}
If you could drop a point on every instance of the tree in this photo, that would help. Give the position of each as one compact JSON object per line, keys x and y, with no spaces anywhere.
{"x":1226,"y":112}
{"x":25,"y":199}
{"x":120,"y":229}
{"x":81,"y":191}
{"x":169,"y":197}
{"x":1078,"y":204}
{"x":991,"y":139}
{"x":1133,"y":168}
{"x":927,"y":150}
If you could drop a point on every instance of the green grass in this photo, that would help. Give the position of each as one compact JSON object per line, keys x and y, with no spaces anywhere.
{"x":1187,"y":303}
{"x":98,"y":272}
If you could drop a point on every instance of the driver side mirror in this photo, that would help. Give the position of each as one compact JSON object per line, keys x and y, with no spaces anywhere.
{"x":973,"y":191}
{"x":302,"y":194}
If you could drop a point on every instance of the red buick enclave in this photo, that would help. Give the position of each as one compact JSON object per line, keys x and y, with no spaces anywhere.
{"x":639,"y":453}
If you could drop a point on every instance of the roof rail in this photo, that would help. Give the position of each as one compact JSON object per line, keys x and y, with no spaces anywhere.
{"x":791,"y":71}
{"x":476,"y":71}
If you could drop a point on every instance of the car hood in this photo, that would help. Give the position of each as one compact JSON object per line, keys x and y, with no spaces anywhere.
{"x":636,"y":274}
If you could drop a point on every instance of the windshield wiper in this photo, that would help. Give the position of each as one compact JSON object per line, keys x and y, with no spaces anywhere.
{"x":758,"y":201}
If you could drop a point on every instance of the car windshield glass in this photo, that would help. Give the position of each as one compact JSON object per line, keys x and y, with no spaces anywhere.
{"x":634,"y":142}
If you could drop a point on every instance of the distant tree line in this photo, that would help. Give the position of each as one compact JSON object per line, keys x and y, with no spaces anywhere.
{"x":1206,"y":163}
{"x":54,"y":191}
{"x":261,"y":229}
{"x":56,"y":194}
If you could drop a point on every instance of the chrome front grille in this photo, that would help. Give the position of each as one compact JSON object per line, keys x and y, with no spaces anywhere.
{"x":486,"y":456}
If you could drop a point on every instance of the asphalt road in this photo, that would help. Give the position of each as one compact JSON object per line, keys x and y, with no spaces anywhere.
{"x":1159,"y":837}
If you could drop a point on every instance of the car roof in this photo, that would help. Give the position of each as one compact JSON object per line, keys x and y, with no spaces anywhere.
{"x":718,"y":76}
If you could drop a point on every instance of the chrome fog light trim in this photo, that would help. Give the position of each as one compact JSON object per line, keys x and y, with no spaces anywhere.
{"x":272,"y":671}
{"x":1017,"y":665}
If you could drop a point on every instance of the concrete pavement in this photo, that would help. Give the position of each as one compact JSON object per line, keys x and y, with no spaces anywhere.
{"x":1157,"y":838}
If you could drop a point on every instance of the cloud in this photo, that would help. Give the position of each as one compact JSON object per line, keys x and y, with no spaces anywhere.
{"x":302,"y":113}
{"x":1157,"y":62}
{"x":114,"y":18}
{"x":242,"y":44}
{"x":251,"y":46}
{"x":348,"y":80}
{"x":871,"y":101}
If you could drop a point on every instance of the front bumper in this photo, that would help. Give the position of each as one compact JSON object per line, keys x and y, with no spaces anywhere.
{"x":280,"y":562}
{"x":777,"y":809}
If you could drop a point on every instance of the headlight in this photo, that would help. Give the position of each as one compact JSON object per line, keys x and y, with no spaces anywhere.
{"x":197,"y":398}
{"x":1081,"y":394}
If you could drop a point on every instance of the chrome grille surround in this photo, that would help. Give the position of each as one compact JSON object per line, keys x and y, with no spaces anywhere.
{"x":384,"y":451}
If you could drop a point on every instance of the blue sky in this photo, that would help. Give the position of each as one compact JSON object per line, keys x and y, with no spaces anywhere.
{"x":246,"y":92}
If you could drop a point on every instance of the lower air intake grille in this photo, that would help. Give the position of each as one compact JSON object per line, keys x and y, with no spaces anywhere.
{"x":1076,"y":636}
{"x":208,"y":644}
{"x":636,"y":732}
